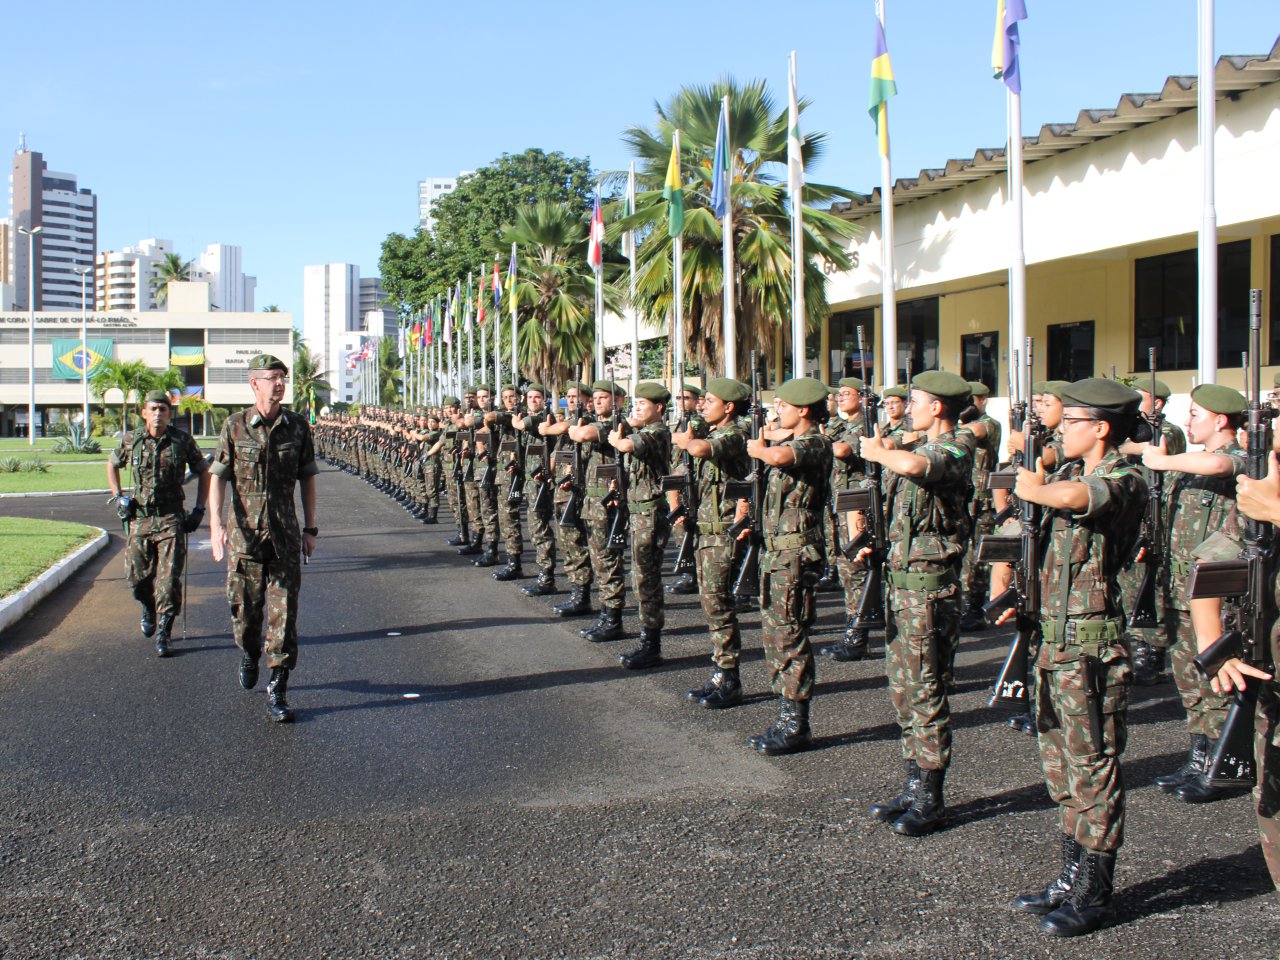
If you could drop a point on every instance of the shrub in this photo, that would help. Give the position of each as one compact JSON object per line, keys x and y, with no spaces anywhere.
{"x":34,"y":465}
{"x":10,"y":465}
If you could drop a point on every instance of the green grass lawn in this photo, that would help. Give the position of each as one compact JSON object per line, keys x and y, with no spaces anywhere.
{"x":29,"y":547}
{"x":61,"y":476}
{"x":49,"y":457}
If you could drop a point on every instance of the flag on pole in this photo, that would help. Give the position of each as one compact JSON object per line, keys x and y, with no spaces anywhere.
{"x":448,"y":321}
{"x":1007,"y":47}
{"x":497,"y":286}
{"x":466,"y":304}
{"x":882,"y":88}
{"x":795,"y":156}
{"x":628,"y":209}
{"x":720,"y":166}
{"x":429,"y":322}
{"x":400,"y":342}
{"x":480,"y":300}
{"x":595,"y":245}
{"x":511,"y":275}
{"x":673,"y":190}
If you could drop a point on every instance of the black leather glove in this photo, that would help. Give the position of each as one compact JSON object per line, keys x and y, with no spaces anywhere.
{"x":193,"y":520}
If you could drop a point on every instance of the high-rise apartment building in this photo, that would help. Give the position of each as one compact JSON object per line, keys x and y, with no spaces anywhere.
{"x":125,"y":279}
{"x":380,"y":318}
{"x":429,"y":191}
{"x":221,"y":266}
{"x":331,"y":319}
{"x":6,"y":264}
{"x":67,"y":241}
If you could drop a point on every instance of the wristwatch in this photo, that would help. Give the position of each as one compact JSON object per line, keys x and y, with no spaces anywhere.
{"x":313,"y":531}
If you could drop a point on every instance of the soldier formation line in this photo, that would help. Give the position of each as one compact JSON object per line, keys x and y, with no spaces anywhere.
{"x":1109,"y":546}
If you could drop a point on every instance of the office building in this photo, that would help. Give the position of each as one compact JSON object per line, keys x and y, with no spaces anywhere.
{"x":221,"y":266}
{"x":331,"y":316}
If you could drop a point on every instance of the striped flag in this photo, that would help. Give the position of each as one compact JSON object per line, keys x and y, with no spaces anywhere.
{"x":673,"y":190}
{"x":497,"y":286}
{"x":428,"y":332}
{"x":882,"y":88}
{"x":480,"y":300}
{"x":595,"y":245}
{"x":629,"y":208}
{"x":720,"y":166}
{"x":511,"y":273}
{"x":1005,"y":52}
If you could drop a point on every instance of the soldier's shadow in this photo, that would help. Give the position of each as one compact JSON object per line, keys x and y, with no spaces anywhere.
{"x":1232,"y":877}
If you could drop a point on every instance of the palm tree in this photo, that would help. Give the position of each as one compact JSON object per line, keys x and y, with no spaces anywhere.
{"x":311,"y":385}
{"x":132,"y":377}
{"x":271,"y":308}
{"x":171,"y":270}
{"x":555,"y":290}
{"x":191,"y":405}
{"x":761,"y":220}
{"x":389,"y":373}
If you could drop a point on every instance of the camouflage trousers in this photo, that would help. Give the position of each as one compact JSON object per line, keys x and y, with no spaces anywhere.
{"x":541,"y":528}
{"x":1206,"y":710}
{"x":471,"y":500}
{"x":1160,"y":636}
{"x":429,"y":486}
{"x":788,"y":588}
{"x":1082,"y":765}
{"x":265,"y":590}
{"x":975,"y":577}
{"x":489,"y":514}
{"x":715,"y":590}
{"x":509,"y":521}
{"x":575,"y":552}
{"x":457,"y":502}
{"x":922,"y":630}
{"x":609,"y":566}
{"x":154,"y":559}
{"x":1266,"y":794}
{"x":649,"y":533}
{"x":853,"y":579}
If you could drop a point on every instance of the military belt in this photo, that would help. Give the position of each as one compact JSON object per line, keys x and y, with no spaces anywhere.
{"x":793,"y":541}
{"x":597,"y":491}
{"x":157,"y":512}
{"x":716,"y":526}
{"x":922,"y":581}
{"x":1082,"y":633}
{"x":642,"y":506}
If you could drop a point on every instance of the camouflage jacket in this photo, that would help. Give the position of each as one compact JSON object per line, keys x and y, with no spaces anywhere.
{"x":699,"y":430}
{"x":647,"y":463}
{"x":986,"y":454}
{"x":845,"y":473}
{"x":1196,"y":507}
{"x":728,"y":461}
{"x":261,"y":462}
{"x":929,"y":515}
{"x":796,"y":494}
{"x":535,"y":464}
{"x":159,"y":465}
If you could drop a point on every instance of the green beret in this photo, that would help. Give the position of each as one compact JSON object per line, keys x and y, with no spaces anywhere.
{"x":158,"y":396}
{"x":509,"y":386}
{"x":853,"y":382}
{"x":468,"y":391}
{"x":693,"y":388}
{"x":802,"y":392}
{"x":450,"y":400}
{"x":979,"y":389}
{"x":609,"y":386}
{"x":535,"y":387}
{"x":1143,"y":383}
{"x":943,"y":385}
{"x":483,"y":386}
{"x":1216,"y":398}
{"x":729,"y":390}
{"x":1054,"y":388}
{"x":649,"y":390}
{"x":1039,"y":388}
{"x":1101,"y":393}
{"x":265,"y":361}
{"x":900,"y":392}
{"x":579,"y":385}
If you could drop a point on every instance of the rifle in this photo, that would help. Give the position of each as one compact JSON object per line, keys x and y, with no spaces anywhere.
{"x":1249,"y":580}
{"x":1151,"y":539}
{"x":469,"y":473}
{"x":571,"y":515}
{"x":542,"y":475}
{"x":1024,"y":553}
{"x":750,"y":489}
{"x":615,"y":501}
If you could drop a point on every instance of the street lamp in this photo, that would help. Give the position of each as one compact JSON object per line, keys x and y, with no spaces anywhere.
{"x":84,"y":344}
{"x":31,"y":331}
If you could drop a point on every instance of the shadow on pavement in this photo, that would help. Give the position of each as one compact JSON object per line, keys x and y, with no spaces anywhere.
{"x":1207,"y":882}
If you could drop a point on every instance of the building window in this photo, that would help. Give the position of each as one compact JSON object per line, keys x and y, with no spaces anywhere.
{"x":845,"y":360}
{"x":980,"y":359}
{"x":1166,"y":306}
{"x":917,"y":337}
{"x":1275,"y":303}
{"x":1070,"y":351}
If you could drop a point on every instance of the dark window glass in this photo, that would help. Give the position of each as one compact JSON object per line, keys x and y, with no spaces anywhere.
{"x":1070,"y":351}
{"x":980,"y":359}
{"x":1275,"y":302}
{"x":845,"y":359}
{"x":917,"y":336}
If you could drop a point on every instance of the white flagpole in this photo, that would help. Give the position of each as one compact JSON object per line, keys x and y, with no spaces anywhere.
{"x":888,"y":272}
{"x":1207,"y":110}
{"x":515,"y":321}
{"x":795,"y":183}
{"x":729,"y":325}
{"x":471,"y":335}
{"x":631,"y":280}
{"x":677,"y":297}
{"x":1018,"y":258}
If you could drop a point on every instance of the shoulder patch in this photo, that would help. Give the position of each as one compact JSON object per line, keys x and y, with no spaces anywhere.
{"x":954,"y":449}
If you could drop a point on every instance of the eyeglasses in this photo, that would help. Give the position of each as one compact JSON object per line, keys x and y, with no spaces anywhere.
{"x":279,"y":378}
{"x":1079,"y":419}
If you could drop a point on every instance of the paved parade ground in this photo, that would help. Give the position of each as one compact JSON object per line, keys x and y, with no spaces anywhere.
{"x":467,"y":777}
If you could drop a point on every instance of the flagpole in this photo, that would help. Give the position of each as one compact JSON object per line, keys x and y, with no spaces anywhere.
{"x":631,"y":279}
{"x":677,"y":295}
{"x":888,"y":271}
{"x":728,"y":319}
{"x":515,"y":317}
{"x":1018,"y":258}
{"x":795,"y":164}
{"x":1207,"y":110}
{"x":484,"y":345}
{"x":471,"y":334}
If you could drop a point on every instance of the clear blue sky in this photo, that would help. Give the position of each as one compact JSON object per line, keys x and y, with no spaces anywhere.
{"x":299,"y":131}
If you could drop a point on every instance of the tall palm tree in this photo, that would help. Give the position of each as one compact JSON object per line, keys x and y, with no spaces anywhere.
{"x":172,"y":269}
{"x":311,"y":385}
{"x":132,"y":378}
{"x":555,"y":290}
{"x":761,"y":220}
{"x":191,"y":405}
{"x":390,"y":376}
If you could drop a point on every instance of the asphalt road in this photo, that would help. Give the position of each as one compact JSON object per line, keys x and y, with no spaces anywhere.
{"x":470,"y":778}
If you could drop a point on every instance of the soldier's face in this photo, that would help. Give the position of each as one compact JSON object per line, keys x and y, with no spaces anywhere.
{"x":788,"y":415}
{"x":981,"y":403}
{"x":924,"y":409}
{"x":602,"y":403}
{"x":268,"y":386}
{"x":1051,"y":411}
{"x":482,"y":399}
{"x":157,"y":416}
{"x":509,"y":399}
{"x":536,"y":402}
{"x":1202,"y":424}
{"x":646,"y":411}
{"x":690,"y":401}
{"x":893,"y":407}
{"x":713,"y":409}
{"x":571,"y":398}
{"x":1080,"y":433}
{"x":849,"y":400}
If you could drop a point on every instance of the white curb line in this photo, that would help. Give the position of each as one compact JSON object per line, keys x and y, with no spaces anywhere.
{"x":51,"y":493}
{"x":17,"y":605}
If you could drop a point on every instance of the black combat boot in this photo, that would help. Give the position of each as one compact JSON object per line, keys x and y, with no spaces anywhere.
{"x":544,"y":586}
{"x":457,"y":540}
{"x":725,"y":690}
{"x":972,"y":618}
{"x":927,"y":812}
{"x":608,"y":627}
{"x":578,"y":604}
{"x":1197,"y":788}
{"x":432,"y":511}
{"x":148,"y":620}
{"x":474,"y":547}
{"x":830,"y":580}
{"x":1192,"y":767}
{"x":487,"y":559}
{"x":1088,"y":905}
{"x":648,"y":654}
{"x":512,"y":571}
{"x":849,"y":648}
{"x":1148,"y":664}
{"x":277,"y":686}
{"x":790,"y":734}
{"x":683,"y":584}
{"x":1055,"y":894}
{"x":889,"y":810}
{"x":249,"y":670}
{"x":162,"y":635}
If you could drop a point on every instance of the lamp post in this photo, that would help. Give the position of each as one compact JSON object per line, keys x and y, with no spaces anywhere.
{"x":84,"y":344}
{"x":31,"y":331}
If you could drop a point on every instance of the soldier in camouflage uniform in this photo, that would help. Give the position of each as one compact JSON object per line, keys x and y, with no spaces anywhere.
{"x":691,"y":399}
{"x":158,"y":457}
{"x":504,"y":432}
{"x":648,"y":451}
{"x":262,"y":453}
{"x":451,"y":465}
{"x":721,"y":457}
{"x":894,"y":404}
{"x":1094,"y":507}
{"x":845,"y":431}
{"x":1150,"y":645}
{"x":609,"y":565}
{"x":469,"y":423}
{"x":538,"y":484}
{"x":487,"y":456}
{"x":1200,"y":501}
{"x":927,"y":507}
{"x":575,"y":553}
{"x":432,"y":444}
{"x":982,"y":515}
{"x":799,"y":464}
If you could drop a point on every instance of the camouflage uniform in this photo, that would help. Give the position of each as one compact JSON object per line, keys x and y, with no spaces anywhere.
{"x":508,"y":509}
{"x":575,"y":552}
{"x":472,"y":468}
{"x":845,"y":474}
{"x":1082,"y":623}
{"x":487,"y":494}
{"x":430,"y":471}
{"x":452,"y":482}
{"x":1266,"y":794}
{"x":792,"y":561}
{"x":647,"y":463}
{"x":261,"y":462}
{"x":156,"y":552}
{"x":975,"y":576}
{"x":928,"y":535}
{"x":728,"y":461}
{"x":541,"y":524}
{"x":609,"y":566}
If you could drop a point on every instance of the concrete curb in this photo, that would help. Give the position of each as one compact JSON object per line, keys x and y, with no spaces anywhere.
{"x":17,"y":605}
{"x":51,"y":493}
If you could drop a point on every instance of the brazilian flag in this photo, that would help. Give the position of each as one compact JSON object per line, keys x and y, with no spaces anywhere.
{"x":72,"y":363}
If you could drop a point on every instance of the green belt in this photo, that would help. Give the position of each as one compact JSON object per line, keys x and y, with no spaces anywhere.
{"x":922,"y":581}
{"x":1082,"y":633}
{"x":793,"y":541}
{"x":716,"y":526}
{"x":642,"y":506}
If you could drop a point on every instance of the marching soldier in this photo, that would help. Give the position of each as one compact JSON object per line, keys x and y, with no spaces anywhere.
{"x":432,"y":440}
{"x":487,"y":469}
{"x":538,"y":486}
{"x":469,"y":423}
{"x":453,"y":469}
